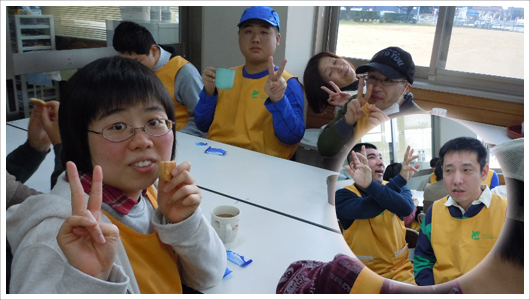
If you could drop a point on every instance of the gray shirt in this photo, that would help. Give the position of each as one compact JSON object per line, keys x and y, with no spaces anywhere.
{"x":188,"y":86}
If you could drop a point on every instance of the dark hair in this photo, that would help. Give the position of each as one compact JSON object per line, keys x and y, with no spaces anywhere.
{"x":131,"y":37}
{"x":433,"y":161}
{"x":358,"y":148}
{"x":391,"y":171}
{"x":101,"y":86}
{"x":317,"y":98}
{"x":465,"y":144}
{"x":438,"y":172}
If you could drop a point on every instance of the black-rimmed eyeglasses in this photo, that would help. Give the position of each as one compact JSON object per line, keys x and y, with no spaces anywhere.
{"x":119,"y":132}
{"x":387,"y":82}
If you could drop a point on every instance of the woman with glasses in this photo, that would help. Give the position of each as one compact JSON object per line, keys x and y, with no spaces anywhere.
{"x":388,"y":77}
{"x":105,"y":228}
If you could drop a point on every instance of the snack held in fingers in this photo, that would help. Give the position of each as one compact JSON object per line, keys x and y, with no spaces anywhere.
{"x":366,"y":108}
{"x":37,"y":101}
{"x":165,"y":169}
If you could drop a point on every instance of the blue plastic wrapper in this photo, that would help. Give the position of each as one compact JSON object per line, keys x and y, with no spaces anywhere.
{"x":227,"y":271}
{"x":237,"y":259}
{"x":201,"y":144}
{"x":215,"y":151}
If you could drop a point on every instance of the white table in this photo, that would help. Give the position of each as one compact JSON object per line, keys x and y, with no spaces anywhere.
{"x":272,"y":241}
{"x":273,"y":183}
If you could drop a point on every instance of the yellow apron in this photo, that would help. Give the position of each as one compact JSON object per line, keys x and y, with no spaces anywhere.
{"x":380,"y":244}
{"x":154,"y":264}
{"x":167,"y":75}
{"x":241,"y":118}
{"x":460,"y":244}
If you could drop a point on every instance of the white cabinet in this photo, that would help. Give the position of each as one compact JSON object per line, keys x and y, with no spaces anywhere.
{"x":32,"y":33}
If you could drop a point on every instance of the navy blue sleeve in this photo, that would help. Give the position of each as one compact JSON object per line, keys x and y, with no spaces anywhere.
{"x":394,"y":197}
{"x":288,"y":113}
{"x":424,"y":258}
{"x":205,"y":110}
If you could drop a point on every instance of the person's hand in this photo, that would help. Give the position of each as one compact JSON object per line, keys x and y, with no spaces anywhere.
{"x":50,"y":121}
{"x":376,"y":117}
{"x":416,"y":201}
{"x":406,"y":169}
{"x":37,"y":136}
{"x":337,"y":97}
{"x":276,"y":84}
{"x":359,"y":170}
{"x":89,"y":244}
{"x":179,"y":198}
{"x":208,"y":79}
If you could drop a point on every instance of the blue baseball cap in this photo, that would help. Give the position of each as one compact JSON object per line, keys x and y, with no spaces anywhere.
{"x":264,"y":13}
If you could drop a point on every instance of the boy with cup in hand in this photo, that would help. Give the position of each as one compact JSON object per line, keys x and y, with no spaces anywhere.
{"x":263,"y":111}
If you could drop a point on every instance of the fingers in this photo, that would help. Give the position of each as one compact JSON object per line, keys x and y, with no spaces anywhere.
{"x":77,"y":192}
{"x":327,"y":90}
{"x":96,"y":192}
{"x":83,"y":224}
{"x":363,"y":151}
{"x":364,"y":99}
{"x":274,"y":76}
{"x":335,"y":87}
{"x":360,"y":89}
{"x":279,"y":73}
{"x":181,"y":176}
{"x":271,"y":68}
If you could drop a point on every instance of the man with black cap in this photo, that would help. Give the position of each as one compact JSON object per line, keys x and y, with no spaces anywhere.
{"x":389,"y":76}
{"x":264,"y":110}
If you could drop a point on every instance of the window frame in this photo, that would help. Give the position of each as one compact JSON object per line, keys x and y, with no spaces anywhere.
{"x":434,"y":76}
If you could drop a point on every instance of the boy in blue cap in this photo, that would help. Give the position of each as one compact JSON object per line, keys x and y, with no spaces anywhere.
{"x":263,"y":111}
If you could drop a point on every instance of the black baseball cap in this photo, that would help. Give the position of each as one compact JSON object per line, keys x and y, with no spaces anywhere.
{"x":393,"y":63}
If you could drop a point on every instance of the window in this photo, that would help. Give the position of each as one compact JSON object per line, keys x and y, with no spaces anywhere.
{"x":473,"y":47}
{"x":393,"y":137}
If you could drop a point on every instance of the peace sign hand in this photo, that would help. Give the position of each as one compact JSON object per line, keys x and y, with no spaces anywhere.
{"x":88,"y":244}
{"x":337,"y":97}
{"x":276,"y":84}
{"x":359,"y":170}
{"x":406,"y":169}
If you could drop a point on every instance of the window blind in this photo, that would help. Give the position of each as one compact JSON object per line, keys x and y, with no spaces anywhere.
{"x":87,"y":22}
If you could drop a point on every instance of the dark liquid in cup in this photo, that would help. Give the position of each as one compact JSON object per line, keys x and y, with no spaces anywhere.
{"x":225,"y":215}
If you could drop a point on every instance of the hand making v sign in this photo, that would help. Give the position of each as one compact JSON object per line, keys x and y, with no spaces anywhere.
{"x":406,"y":169}
{"x":88,"y":244}
{"x":276,"y":84}
{"x":359,"y":170}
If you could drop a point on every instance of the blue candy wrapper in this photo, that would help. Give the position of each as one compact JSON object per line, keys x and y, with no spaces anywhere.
{"x":201,"y":144}
{"x":237,"y":259}
{"x":215,"y":151}
{"x":227,"y":271}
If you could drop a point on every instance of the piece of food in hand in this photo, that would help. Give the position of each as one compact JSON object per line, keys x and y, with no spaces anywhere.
{"x":366,"y":109}
{"x":165,"y":168}
{"x":37,"y":101}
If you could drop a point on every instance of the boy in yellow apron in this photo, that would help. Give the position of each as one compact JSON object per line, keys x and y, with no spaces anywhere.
{"x":264,"y":109}
{"x":458,"y":231}
{"x":181,"y":78}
